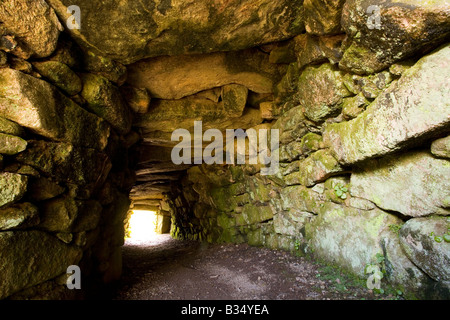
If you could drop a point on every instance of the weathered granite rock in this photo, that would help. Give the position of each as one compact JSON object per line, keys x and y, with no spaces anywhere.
{"x":320,"y":91}
{"x":301,"y":198}
{"x":287,"y":86}
{"x":162,"y":224}
{"x":349,"y":237}
{"x":42,"y":189}
{"x":104,"y":99}
{"x":404,"y":275}
{"x":58,"y":215}
{"x":148,"y":28}
{"x":410,"y":110}
{"x":313,"y":49}
{"x":40,"y":107}
{"x":19,"y":216}
{"x":11,"y":145}
{"x":354,"y":106}
{"x":60,"y":75}
{"x":12,"y":187}
{"x":323,"y":16}
{"x":318,"y":167}
{"x":28,"y":258}
{"x":168,"y":115}
{"x":406,"y":27}
{"x":414,"y":184}
{"x":291,"y":223}
{"x":252,"y":214}
{"x":105,"y":67}
{"x":64,"y":162}
{"x":441,"y":147}
{"x":88,"y":217}
{"x":419,"y":238}
{"x":175,"y":77}
{"x":34,"y":25}
{"x":67,"y":52}
{"x":311,"y":142}
{"x":10,"y":127}
{"x":292,"y":125}
{"x":234,"y":97}
{"x":138,"y":99}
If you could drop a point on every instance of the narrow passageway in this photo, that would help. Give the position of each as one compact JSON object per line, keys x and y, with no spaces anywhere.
{"x":168,"y":269}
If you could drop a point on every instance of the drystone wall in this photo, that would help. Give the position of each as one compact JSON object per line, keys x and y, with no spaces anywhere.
{"x":364,"y":116}
{"x":65,"y":173}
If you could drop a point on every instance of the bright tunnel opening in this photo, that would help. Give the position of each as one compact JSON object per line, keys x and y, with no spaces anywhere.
{"x":142,"y":225}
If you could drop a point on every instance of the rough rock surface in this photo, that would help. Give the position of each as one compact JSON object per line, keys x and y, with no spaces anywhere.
{"x":11,"y":145}
{"x":441,"y":147}
{"x":384,"y":181}
{"x":31,"y":257}
{"x":20,"y":216}
{"x":60,"y":75}
{"x":12,"y":187}
{"x":405,"y":27}
{"x":422,"y":241}
{"x":175,"y":77}
{"x":323,"y":16}
{"x":104,"y":100}
{"x":413,"y":108}
{"x":321,"y":91}
{"x":349,"y":237}
{"x":65,"y":162}
{"x":33,"y":24}
{"x":155,"y":28}
{"x":40,"y":107}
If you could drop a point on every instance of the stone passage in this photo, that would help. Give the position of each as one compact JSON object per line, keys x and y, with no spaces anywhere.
{"x":360,"y":99}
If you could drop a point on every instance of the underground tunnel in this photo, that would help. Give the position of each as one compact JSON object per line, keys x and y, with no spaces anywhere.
{"x":316,"y":129}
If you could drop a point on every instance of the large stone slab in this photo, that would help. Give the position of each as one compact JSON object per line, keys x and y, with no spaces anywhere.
{"x":32,"y":257}
{"x":410,"y":110}
{"x":349,"y":237}
{"x":174,"y":77}
{"x":415,"y":184}
{"x":252,"y":214}
{"x":40,"y":107}
{"x":418,"y":238}
{"x":404,"y":28}
{"x":34,"y":25}
{"x":59,"y":214}
{"x":131,"y":30}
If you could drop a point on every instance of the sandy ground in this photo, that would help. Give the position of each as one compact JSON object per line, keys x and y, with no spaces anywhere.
{"x":168,"y":269}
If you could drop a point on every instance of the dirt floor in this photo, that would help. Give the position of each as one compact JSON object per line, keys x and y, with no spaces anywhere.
{"x":168,"y":269}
